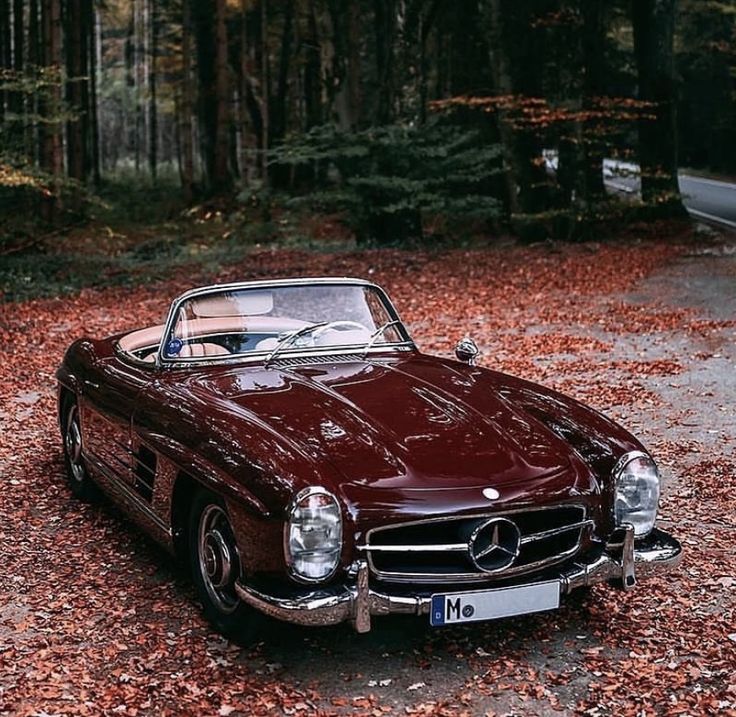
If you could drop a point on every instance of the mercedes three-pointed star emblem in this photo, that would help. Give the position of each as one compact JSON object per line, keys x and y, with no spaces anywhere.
{"x":494,"y":545}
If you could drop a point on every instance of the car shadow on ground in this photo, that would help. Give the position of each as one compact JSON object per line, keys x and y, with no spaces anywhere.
{"x":402,"y":657}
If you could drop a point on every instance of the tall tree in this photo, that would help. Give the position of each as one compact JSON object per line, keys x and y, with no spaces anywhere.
{"x":152,"y":107}
{"x":18,"y":53}
{"x":385,"y":15}
{"x":221,"y":175}
{"x":706,"y":64}
{"x":77,"y":42}
{"x":312,"y":70}
{"x":654,"y":31}
{"x":51,"y":155}
{"x":594,"y":88}
{"x":214,"y":97}
{"x":186,"y":105}
{"x":265,"y":79}
{"x":516,"y":74}
{"x":346,"y":18}
{"x":94,"y":128}
{"x":244,"y":90}
{"x":279,"y":101}
{"x":6,"y":58}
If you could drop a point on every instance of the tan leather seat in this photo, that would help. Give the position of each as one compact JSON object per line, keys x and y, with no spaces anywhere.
{"x":195,"y":350}
{"x":206,"y":349}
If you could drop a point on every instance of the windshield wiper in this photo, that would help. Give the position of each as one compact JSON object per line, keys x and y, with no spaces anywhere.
{"x":290,"y":338}
{"x":378,"y":332}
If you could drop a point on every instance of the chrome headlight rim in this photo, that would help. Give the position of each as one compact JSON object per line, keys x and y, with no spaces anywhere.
{"x":617,"y":473}
{"x":290,"y":512}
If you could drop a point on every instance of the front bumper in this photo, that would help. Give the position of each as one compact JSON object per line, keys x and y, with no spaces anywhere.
{"x":622,"y":562}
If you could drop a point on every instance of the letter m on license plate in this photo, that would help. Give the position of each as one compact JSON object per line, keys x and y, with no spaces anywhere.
{"x":478,"y":605}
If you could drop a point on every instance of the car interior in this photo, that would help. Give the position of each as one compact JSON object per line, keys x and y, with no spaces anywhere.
{"x":237,"y":323}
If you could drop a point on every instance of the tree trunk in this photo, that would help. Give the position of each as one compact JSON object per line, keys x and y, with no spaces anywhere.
{"x":265,"y":91}
{"x":34,"y":32}
{"x":16,"y":100}
{"x":252,"y":103}
{"x":243,"y":91}
{"x":503,"y":86}
{"x":186,"y":106}
{"x":279,"y":103}
{"x":94,"y":139}
{"x":77,"y":54}
{"x":6,"y":60}
{"x":354,"y":73}
{"x":130,"y":118}
{"x":221,"y":176}
{"x":211,"y":34}
{"x":53,"y":60}
{"x":385,"y":33}
{"x":594,"y":87}
{"x":526,"y":177}
{"x":34,"y":61}
{"x":312,"y":72}
{"x":52,"y":159}
{"x":152,"y":110}
{"x":654,"y":29}
{"x":139,"y":78}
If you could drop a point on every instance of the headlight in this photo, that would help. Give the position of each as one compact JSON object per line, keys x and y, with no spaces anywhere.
{"x":313,"y":535}
{"x":637,"y":492}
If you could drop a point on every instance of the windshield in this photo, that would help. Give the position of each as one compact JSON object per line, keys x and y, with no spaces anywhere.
{"x":280,"y":319}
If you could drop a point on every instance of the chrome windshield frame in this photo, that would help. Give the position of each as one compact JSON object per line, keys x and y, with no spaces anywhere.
{"x":254,"y":356}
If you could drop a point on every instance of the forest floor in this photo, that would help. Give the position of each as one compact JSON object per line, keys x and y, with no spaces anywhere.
{"x":95,"y":619}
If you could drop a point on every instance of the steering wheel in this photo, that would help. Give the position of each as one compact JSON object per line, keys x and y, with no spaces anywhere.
{"x":339,"y":326}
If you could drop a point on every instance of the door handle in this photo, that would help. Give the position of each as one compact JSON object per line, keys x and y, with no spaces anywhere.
{"x":90,"y":384}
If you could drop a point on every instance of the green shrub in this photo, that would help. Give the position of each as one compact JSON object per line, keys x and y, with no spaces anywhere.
{"x":392,"y":180}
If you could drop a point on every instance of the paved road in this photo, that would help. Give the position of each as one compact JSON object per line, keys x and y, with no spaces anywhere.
{"x":704,"y":198}
{"x":709,"y":199}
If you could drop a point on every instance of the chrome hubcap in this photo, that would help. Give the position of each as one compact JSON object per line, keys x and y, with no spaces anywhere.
{"x":73,"y":445}
{"x":218,"y":558}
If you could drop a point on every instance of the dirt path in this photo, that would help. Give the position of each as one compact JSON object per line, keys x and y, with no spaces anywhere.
{"x":94,"y":618}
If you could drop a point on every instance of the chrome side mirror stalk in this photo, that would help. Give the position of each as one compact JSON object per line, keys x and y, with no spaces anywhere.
{"x":466,"y":350}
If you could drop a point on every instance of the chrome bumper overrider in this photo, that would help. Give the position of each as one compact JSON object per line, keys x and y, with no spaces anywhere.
{"x":622,"y":561}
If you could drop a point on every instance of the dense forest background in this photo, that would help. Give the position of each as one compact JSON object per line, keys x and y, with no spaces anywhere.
{"x":405,"y":118}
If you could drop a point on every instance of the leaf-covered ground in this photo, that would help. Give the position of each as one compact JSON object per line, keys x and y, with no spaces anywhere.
{"x":95,"y":619}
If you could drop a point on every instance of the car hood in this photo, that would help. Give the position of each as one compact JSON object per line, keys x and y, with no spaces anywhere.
{"x":399,"y":430}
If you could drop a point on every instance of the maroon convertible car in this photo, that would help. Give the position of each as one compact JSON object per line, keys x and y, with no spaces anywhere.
{"x":289,"y":440}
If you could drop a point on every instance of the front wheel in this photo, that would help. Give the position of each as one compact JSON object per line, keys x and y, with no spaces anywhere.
{"x":215,"y":564}
{"x":78,"y":478}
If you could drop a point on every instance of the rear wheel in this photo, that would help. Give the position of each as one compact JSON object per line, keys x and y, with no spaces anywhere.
{"x":216,"y":566}
{"x":78,"y":478}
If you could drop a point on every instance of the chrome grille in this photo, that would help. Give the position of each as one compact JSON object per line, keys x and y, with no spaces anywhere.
{"x":438,"y":549}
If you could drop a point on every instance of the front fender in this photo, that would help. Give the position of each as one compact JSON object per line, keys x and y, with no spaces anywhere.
{"x":595,"y":438}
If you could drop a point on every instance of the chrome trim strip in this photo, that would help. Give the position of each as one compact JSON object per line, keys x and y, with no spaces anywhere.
{"x":533,"y":537}
{"x":288,"y":354}
{"x":626,"y":458}
{"x":429,"y":548}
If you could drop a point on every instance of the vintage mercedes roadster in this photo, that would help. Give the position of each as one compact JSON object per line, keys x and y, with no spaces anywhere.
{"x":289,"y":440}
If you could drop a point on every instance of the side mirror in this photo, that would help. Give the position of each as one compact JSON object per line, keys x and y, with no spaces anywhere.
{"x":466,"y":350}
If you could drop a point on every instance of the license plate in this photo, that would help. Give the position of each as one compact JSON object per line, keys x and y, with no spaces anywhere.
{"x":453,"y":608}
